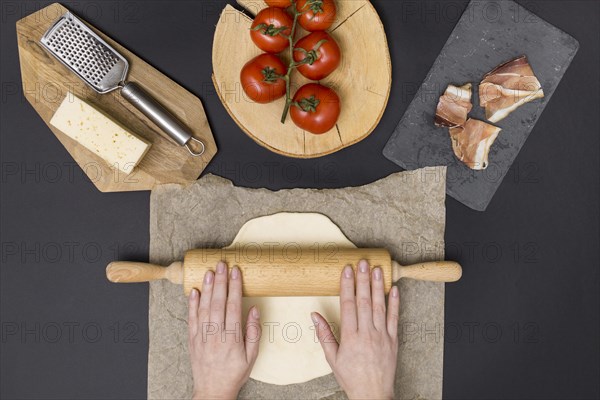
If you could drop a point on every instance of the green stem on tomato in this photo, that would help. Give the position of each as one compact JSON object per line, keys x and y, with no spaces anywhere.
{"x":292,"y":64}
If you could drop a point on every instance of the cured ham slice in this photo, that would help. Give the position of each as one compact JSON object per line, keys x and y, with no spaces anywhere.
{"x":453,"y":106}
{"x":507,"y":87}
{"x":471,"y":142}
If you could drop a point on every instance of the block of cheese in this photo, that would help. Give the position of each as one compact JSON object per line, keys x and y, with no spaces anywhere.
{"x":99,"y":134}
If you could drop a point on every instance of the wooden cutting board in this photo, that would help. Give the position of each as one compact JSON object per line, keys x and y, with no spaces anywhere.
{"x":46,"y":82}
{"x":363,"y":80}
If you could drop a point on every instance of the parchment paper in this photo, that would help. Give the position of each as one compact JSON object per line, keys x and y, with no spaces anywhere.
{"x":404,"y":213}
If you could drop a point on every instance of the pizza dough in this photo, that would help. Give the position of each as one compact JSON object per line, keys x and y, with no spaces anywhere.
{"x":289,"y":349}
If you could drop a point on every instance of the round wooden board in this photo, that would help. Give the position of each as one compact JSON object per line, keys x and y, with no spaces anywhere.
{"x":363,"y":80}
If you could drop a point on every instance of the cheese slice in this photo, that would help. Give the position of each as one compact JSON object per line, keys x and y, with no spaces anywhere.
{"x":99,"y":134}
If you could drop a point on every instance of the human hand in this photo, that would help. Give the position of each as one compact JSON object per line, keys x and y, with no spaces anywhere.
{"x":221,"y":357}
{"x":364,"y":361}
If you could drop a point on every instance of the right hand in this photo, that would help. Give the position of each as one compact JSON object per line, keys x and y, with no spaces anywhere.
{"x":364,"y":361}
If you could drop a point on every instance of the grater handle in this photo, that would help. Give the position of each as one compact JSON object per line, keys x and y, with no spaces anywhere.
{"x":160,"y":116}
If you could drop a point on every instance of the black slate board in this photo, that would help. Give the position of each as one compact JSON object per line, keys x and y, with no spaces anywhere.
{"x":488,"y":34}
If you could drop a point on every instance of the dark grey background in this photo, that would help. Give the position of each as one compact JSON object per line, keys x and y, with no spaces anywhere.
{"x":522,"y":323}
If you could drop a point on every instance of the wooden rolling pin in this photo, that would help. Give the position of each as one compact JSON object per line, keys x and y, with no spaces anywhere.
{"x":282,"y":271}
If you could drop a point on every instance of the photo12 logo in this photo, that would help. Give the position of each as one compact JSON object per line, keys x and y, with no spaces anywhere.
{"x":125,"y":12}
{"x":288,"y":332}
{"x":470,"y":332}
{"x":290,"y":172}
{"x":71,"y":332}
{"x":68,"y":252}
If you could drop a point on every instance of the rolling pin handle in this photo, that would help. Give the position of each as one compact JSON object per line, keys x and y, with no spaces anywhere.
{"x":131,"y":272}
{"x":434,"y":271}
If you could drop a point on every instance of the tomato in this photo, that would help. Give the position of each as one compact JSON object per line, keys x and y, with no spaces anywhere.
{"x":269,"y":29}
{"x":315,"y":108}
{"x":261,"y":78}
{"x":318,"y":15}
{"x":322,"y":53}
{"x":279,"y":3}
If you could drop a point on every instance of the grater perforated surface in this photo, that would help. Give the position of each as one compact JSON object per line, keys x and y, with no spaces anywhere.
{"x":85,"y":53}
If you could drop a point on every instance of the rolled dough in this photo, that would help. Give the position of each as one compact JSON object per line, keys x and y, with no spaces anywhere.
{"x":289,"y":349}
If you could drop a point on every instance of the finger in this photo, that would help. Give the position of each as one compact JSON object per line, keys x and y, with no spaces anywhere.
{"x":219,"y":296}
{"x":326,"y":338}
{"x":253,"y":331}
{"x":233,"y":312}
{"x":193,"y":303}
{"x":347,"y":301}
{"x":393,"y":312}
{"x":364,"y":308}
{"x":205,"y":297}
{"x":378,"y":298}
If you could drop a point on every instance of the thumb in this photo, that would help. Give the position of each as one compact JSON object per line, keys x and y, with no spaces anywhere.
{"x":326,"y":337}
{"x":253,"y":332}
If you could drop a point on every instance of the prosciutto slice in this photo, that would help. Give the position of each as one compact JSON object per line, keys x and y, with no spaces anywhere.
{"x":507,"y":87}
{"x":471,"y":142}
{"x":453,"y":106}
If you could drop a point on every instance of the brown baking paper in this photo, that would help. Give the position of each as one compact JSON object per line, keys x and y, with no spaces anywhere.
{"x":404,"y":213}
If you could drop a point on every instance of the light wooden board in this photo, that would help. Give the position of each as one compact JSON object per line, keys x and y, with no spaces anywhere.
{"x":362,"y":81}
{"x":46,"y":82}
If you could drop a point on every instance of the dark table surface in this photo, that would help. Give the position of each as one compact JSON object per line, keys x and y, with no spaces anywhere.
{"x":522,"y":323}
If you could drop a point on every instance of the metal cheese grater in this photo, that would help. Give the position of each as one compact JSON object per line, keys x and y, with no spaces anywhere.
{"x":100,"y":66}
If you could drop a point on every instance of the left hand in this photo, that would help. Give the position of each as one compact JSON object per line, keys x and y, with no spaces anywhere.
{"x":222,"y":357}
